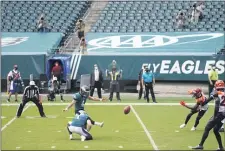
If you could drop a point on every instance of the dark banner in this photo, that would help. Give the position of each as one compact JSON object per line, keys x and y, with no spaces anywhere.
{"x":175,"y":68}
{"x":27,"y":64}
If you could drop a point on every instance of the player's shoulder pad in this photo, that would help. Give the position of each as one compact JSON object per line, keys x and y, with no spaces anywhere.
{"x":76,"y":96}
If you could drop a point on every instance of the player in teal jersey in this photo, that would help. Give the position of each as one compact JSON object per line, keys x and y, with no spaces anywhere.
{"x":78,"y":126}
{"x":79,"y":100}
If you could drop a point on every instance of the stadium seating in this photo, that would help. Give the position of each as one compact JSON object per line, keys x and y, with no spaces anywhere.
{"x":157,"y":16}
{"x":22,"y":16}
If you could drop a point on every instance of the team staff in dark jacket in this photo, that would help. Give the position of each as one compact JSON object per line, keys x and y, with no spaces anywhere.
{"x":140,"y":82}
{"x":31,"y":93}
{"x":96,"y":81}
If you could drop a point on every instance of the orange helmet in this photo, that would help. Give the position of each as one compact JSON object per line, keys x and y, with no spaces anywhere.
{"x":219,"y":84}
{"x":197,"y":93}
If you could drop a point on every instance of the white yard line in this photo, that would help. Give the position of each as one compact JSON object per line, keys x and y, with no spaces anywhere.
{"x":145,"y":129}
{"x":13,"y":119}
{"x":107,"y":104}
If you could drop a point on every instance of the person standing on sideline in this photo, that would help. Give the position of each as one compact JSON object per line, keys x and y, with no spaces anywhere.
{"x":141,"y":87}
{"x":96,"y":81}
{"x":31,"y":93}
{"x":213,"y":77}
{"x":57,"y":71}
{"x":114,"y":83}
{"x":15,"y":82}
{"x":148,"y":80}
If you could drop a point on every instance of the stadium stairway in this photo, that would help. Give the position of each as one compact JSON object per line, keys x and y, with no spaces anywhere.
{"x":90,"y":17}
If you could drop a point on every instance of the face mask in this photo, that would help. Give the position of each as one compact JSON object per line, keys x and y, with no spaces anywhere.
{"x":214,"y":68}
{"x":16,"y":68}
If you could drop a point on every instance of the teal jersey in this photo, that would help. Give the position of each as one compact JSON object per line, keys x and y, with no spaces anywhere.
{"x":80,"y":120}
{"x":80,"y":101}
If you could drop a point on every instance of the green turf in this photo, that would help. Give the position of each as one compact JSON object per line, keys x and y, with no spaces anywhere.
{"x":119,"y":130}
{"x":125,"y":98}
{"x":164,"y":122}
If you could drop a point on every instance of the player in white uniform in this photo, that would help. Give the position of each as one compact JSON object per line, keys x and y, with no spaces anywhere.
{"x":198,"y":108}
{"x":215,"y":122}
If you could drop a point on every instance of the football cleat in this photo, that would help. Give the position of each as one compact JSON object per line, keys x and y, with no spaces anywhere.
{"x":198,"y":147}
{"x":193,"y":128}
{"x":101,"y":125}
{"x":182,"y":125}
{"x":71,"y":137}
{"x":83,"y":138}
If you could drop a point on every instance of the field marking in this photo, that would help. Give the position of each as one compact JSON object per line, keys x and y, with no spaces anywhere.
{"x":145,"y":129}
{"x":17,"y":147}
{"x":110,"y":104}
{"x":13,"y":119}
{"x":39,"y":117}
{"x":86,"y":147}
{"x":2,"y":117}
{"x":120,"y":146}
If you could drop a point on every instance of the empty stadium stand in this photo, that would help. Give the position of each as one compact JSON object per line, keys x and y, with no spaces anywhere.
{"x":22,"y":16}
{"x":157,"y":16}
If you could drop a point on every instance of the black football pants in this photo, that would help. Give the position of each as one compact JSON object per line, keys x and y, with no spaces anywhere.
{"x":199,"y":116}
{"x":215,"y":124}
{"x":35,"y":101}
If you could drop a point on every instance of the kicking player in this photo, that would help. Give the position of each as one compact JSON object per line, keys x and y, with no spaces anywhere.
{"x":78,"y":126}
{"x":79,"y":99}
{"x":215,"y":122}
{"x":198,"y":108}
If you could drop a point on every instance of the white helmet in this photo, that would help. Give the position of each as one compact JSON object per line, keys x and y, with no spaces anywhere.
{"x":32,"y":83}
{"x":84,"y":90}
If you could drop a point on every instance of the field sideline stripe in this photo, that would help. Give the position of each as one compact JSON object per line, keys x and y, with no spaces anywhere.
{"x":108,"y":104}
{"x":13,"y":119}
{"x":145,"y":129}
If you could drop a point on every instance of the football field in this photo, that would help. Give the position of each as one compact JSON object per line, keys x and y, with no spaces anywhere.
{"x":147,"y":127}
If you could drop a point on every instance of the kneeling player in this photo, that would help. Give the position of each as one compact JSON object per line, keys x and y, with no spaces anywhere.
{"x":79,"y":100}
{"x":198,"y":108}
{"x":78,"y":126}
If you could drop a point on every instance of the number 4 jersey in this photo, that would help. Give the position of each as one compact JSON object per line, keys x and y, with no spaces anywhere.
{"x":80,"y":101}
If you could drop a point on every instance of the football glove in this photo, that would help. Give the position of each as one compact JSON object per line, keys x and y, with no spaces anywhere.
{"x":182,"y":103}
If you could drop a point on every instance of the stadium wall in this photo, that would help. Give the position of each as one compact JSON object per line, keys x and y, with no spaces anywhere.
{"x":167,"y":69}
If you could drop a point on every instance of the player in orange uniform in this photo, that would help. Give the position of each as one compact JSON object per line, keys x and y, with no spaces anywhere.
{"x":197,"y":108}
{"x":215,"y":122}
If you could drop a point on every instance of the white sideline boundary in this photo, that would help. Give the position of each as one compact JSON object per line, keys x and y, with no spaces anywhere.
{"x":106,"y":104}
{"x":145,"y":129}
{"x":13,"y":119}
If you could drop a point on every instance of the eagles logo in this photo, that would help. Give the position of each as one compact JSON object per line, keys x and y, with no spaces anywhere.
{"x":9,"y":41}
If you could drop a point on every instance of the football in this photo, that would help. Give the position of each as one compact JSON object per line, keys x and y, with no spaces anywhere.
{"x":126,"y":110}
